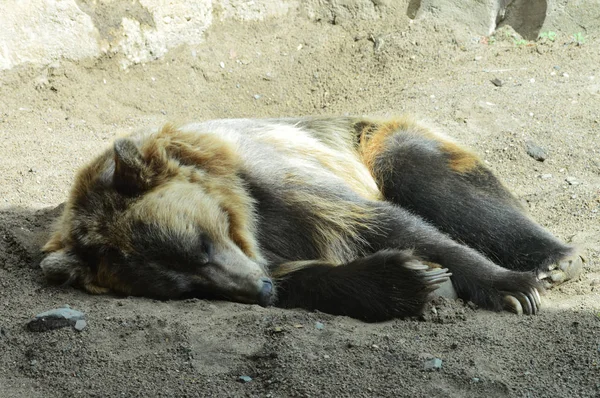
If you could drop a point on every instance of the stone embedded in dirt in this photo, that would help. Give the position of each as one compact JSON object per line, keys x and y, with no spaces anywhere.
{"x":546,"y":176}
{"x":277,"y":329}
{"x":378,"y":43}
{"x":432,"y":364}
{"x":319,"y":326}
{"x":535,"y":151}
{"x":80,"y":325}
{"x":497,"y":82}
{"x":245,"y":379}
{"x":55,"y":319}
{"x":572,"y":181}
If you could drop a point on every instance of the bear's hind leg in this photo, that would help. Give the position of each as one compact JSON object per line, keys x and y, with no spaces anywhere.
{"x":452,"y":189}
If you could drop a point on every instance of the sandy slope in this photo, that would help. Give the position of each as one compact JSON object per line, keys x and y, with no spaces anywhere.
{"x":53,"y":120}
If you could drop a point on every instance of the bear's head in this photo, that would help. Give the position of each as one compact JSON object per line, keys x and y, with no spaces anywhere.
{"x":164,"y":215}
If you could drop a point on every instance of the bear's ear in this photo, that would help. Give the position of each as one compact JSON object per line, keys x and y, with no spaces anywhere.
{"x":132,"y":174}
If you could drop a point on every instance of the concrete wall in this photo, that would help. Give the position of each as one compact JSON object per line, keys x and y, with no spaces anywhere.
{"x":41,"y":31}
{"x":133,"y":31}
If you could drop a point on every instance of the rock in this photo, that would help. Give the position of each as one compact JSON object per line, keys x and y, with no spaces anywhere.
{"x":572,"y":181}
{"x":378,"y":42}
{"x":475,"y":380}
{"x":497,"y":82}
{"x":546,"y":176}
{"x":432,"y":364}
{"x":55,"y":319}
{"x":245,"y":379}
{"x":80,"y":325}
{"x":535,"y":151}
{"x":319,"y":326}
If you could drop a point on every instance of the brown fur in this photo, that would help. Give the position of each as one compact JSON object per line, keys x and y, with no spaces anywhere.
{"x":220,"y":179}
{"x":373,"y":141}
{"x":171,"y":155}
{"x":216,"y":208}
{"x":461,"y":160}
{"x":106,"y":280}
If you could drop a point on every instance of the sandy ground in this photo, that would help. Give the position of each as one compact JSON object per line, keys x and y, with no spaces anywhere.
{"x":55,"y":119}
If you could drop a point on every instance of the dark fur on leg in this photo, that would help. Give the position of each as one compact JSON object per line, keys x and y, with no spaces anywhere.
{"x":388,"y":284}
{"x":469,"y":203}
{"x":474,"y":277}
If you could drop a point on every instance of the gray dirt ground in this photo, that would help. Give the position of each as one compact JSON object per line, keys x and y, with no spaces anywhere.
{"x":55,"y":119}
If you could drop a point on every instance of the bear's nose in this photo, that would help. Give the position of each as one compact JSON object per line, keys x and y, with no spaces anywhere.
{"x":266,"y":292}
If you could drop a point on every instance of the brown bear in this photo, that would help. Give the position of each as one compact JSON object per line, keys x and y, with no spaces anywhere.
{"x":346,"y":215}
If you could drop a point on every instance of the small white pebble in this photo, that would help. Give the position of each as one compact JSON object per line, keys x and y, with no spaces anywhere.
{"x":565,"y":74}
{"x":572,"y":180}
{"x":222,"y":65}
{"x":532,"y":80}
